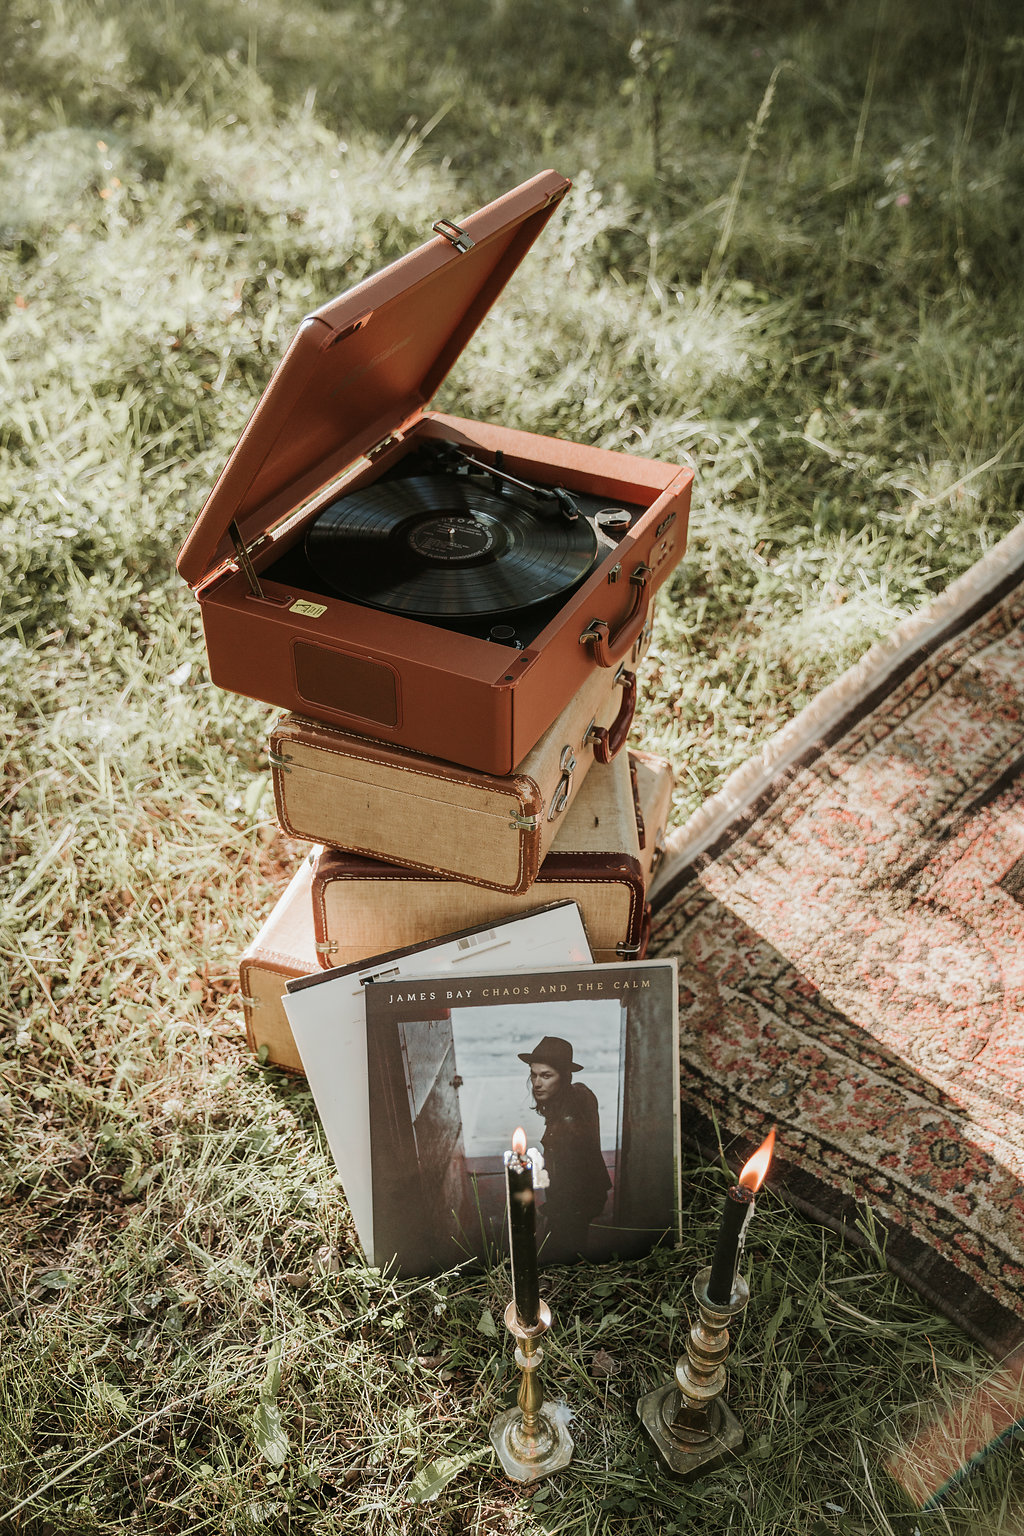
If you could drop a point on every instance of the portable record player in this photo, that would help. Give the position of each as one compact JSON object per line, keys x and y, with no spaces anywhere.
{"x":438,"y":583}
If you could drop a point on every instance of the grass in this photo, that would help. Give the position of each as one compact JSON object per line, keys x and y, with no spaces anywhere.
{"x":791,"y":258}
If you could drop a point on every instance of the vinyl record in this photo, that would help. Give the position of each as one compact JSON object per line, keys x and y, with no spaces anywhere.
{"x":442,"y":547}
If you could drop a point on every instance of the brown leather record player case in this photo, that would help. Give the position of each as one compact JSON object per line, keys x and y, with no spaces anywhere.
{"x":284,"y":947}
{"x":387,"y":803}
{"x":361,"y":906}
{"x":421,"y":579}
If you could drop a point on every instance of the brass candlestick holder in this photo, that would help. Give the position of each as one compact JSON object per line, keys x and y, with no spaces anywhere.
{"x":688,"y":1419}
{"x":530,"y":1441}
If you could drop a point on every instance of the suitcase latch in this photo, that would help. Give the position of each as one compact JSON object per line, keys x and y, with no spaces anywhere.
{"x":520,"y":823}
{"x":560,"y":798}
{"x":453,"y":234}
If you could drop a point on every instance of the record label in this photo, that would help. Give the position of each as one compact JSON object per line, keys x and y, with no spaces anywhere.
{"x":451,"y":538}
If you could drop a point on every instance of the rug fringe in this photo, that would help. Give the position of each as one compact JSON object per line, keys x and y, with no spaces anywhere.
{"x":748,"y":782}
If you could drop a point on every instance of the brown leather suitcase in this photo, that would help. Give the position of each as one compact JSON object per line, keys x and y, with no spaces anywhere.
{"x":385,"y":802}
{"x":345,"y":410}
{"x":285,"y":947}
{"x":361,"y":907}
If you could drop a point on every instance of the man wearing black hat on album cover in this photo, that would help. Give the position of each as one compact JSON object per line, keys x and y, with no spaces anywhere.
{"x":571,"y":1143}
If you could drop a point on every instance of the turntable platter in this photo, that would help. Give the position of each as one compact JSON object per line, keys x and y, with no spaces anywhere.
{"x":440,"y":546}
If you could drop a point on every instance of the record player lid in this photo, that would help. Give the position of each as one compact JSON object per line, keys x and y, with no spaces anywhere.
{"x":362,"y":367}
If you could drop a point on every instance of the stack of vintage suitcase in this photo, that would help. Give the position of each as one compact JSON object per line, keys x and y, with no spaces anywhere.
{"x":459,"y":679}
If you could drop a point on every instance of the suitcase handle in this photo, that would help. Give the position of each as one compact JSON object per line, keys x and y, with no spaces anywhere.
{"x":610,"y":739}
{"x":609,"y":649}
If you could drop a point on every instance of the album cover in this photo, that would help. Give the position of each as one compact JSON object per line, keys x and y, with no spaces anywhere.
{"x":585,"y":1060}
{"x":328,"y":1023}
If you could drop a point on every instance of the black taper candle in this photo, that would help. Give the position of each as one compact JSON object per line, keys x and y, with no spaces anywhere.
{"x":522,"y":1238}
{"x":738,"y":1203}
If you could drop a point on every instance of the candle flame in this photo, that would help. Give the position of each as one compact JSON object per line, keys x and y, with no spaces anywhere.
{"x":519,"y":1141}
{"x":752,"y":1174}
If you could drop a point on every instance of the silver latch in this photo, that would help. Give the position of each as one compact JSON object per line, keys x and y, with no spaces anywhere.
{"x":278,"y":760}
{"x":520,"y":823}
{"x":453,"y":234}
{"x":560,"y":798}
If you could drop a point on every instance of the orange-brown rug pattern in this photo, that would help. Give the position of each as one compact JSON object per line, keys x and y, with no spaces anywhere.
{"x":851,"y":968}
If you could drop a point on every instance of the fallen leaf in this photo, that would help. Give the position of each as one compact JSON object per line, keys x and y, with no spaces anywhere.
{"x":270,"y":1435}
{"x":110,"y":1396}
{"x":327,"y":1260}
{"x":604,"y":1364}
{"x":429,"y":1481}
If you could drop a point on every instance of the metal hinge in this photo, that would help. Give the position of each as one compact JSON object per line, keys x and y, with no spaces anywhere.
{"x":327,"y":948}
{"x":250,"y":1002}
{"x":453,"y":234}
{"x":627,"y":951}
{"x":520,"y":823}
{"x":278,"y":760}
{"x":383,"y":446}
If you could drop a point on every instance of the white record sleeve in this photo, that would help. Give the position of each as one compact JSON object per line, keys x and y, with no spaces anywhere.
{"x":327,"y":1016}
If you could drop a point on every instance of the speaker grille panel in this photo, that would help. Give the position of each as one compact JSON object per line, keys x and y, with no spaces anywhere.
{"x":347,"y":684}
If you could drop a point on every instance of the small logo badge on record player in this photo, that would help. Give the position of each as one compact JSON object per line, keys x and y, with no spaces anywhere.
{"x":308,"y":610}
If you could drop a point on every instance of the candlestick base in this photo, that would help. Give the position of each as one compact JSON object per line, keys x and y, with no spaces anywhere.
{"x":525,"y":1458}
{"x":692,"y":1427}
{"x":530,"y":1440}
{"x":683,"y":1456}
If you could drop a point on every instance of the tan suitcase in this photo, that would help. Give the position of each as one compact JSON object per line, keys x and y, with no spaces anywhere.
{"x":386,"y":803}
{"x":285,"y":947}
{"x":361,"y":907}
{"x":652,"y":790}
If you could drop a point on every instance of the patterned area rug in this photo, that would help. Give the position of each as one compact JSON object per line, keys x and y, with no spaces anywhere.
{"x":848,"y":917}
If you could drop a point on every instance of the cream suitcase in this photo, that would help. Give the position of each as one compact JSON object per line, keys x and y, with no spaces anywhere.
{"x":384,"y":802}
{"x":361,"y":907}
{"x":285,"y":947}
{"x":653,"y":784}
